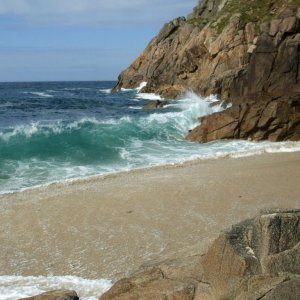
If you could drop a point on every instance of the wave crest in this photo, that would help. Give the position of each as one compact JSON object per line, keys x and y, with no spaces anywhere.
{"x":187,"y":111}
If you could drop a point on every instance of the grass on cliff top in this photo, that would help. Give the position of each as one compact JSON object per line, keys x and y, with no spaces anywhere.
{"x":198,"y":21}
{"x":256,"y":11}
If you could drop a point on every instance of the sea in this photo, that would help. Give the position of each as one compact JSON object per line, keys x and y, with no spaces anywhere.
{"x":63,"y":131}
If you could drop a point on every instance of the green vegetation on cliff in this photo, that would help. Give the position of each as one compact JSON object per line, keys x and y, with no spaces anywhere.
{"x":256,"y":11}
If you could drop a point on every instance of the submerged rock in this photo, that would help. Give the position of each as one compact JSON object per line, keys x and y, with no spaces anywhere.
{"x":55,"y":295}
{"x":242,"y":51}
{"x":256,"y":259}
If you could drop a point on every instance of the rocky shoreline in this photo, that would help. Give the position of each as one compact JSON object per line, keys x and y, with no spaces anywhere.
{"x":245,"y":52}
{"x":256,"y":259}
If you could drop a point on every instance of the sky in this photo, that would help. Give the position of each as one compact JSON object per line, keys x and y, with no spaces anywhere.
{"x":54,"y":40}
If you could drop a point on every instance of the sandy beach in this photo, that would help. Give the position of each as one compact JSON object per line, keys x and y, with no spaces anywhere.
{"x":107,"y":226}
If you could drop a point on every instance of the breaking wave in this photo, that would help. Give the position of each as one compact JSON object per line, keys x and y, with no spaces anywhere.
{"x":97,"y":133}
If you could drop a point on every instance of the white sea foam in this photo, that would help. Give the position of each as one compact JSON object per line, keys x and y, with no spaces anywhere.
{"x":57,"y":127}
{"x":27,"y":130}
{"x":142,"y":85}
{"x":142,"y":96}
{"x":15,"y":287}
{"x":138,"y":89}
{"x":40,"y":94}
{"x":126,"y":90}
{"x":105,"y":91}
{"x":148,"y":96}
{"x":136,"y":107}
{"x":190,"y":108}
{"x":148,"y":154}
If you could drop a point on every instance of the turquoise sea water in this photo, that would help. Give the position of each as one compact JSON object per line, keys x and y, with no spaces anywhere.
{"x":53,"y":131}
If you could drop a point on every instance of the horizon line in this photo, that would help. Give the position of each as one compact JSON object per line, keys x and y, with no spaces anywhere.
{"x":41,"y":81}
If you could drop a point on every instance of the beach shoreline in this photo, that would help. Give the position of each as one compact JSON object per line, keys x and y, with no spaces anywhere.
{"x":108,"y":225}
{"x":274,"y":148}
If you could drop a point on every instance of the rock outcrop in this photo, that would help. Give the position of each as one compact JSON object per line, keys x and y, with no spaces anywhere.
{"x":171,"y":279}
{"x":256,"y":259}
{"x":242,"y":51}
{"x":55,"y":295}
{"x":273,"y":120}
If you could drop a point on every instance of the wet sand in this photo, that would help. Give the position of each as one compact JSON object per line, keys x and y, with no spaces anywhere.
{"x":108,"y":226}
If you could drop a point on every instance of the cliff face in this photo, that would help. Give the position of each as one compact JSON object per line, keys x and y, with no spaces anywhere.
{"x":243,"y":51}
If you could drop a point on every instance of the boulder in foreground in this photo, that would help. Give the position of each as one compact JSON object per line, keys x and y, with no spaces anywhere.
{"x":256,"y":259}
{"x":55,"y":295}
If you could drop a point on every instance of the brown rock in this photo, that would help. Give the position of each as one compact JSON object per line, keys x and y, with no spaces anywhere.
{"x":162,"y":289}
{"x":258,"y":286}
{"x":289,"y":25}
{"x":172,"y":279}
{"x":236,"y":260}
{"x":250,"y":32}
{"x":273,"y":120}
{"x":154,"y":104}
{"x":274,"y":27}
{"x":238,"y":63}
{"x":288,"y":11}
{"x":289,"y":289}
{"x":255,"y":259}
{"x":55,"y":295}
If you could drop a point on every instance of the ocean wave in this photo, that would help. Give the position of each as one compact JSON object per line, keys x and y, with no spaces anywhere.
{"x":189,"y":108}
{"x":105,"y":91}
{"x":26,"y":130}
{"x":6,"y":104}
{"x":16,"y":287}
{"x":39,"y":152}
{"x":40,"y":94}
{"x":57,"y":127}
{"x":140,"y":155}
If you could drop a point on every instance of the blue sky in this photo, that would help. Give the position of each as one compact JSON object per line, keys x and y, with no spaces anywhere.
{"x":78,"y":39}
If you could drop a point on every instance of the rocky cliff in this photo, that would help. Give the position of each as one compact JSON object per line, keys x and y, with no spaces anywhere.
{"x":246,"y":52}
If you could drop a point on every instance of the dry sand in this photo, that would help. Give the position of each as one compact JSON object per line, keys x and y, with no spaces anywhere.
{"x":107,"y":226}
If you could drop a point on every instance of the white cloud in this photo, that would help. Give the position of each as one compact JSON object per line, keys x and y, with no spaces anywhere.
{"x":73,"y":12}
